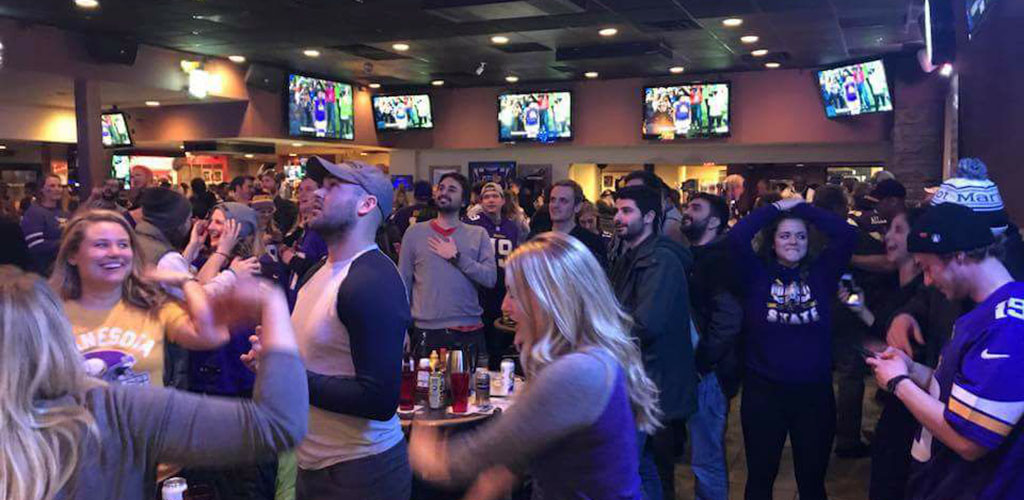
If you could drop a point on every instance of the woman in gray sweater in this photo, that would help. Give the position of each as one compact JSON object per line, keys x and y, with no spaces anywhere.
{"x":64,"y":435}
{"x":574,"y":427}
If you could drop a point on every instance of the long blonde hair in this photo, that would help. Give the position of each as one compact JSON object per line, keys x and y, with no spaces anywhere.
{"x":42,"y":419}
{"x":563,"y":290}
{"x":66,"y":280}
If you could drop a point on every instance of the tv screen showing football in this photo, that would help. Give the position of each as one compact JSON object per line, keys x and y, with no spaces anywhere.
{"x":686,"y":111}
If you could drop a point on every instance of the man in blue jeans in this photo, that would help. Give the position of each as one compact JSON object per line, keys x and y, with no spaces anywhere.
{"x":717,"y":317}
{"x":649,"y":279}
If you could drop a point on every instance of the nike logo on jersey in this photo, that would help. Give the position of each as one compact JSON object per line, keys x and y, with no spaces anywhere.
{"x":987,"y":355}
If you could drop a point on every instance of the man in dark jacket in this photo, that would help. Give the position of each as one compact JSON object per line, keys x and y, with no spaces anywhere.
{"x":718,"y":317}
{"x":650,"y":282}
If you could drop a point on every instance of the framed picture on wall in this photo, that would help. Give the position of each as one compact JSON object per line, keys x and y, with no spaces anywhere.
{"x":607,"y":182}
{"x":436,"y":171}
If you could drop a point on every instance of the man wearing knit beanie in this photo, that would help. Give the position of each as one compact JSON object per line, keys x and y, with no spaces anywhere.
{"x":166,"y":219}
{"x":970,"y":406}
{"x":972,"y":188}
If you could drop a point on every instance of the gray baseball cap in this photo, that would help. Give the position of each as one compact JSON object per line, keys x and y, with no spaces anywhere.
{"x":367,"y":176}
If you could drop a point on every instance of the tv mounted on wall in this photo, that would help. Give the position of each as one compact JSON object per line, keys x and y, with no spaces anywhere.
{"x":402,"y":112}
{"x":854,"y":89}
{"x":319,"y":108}
{"x":686,"y":111}
{"x":535,"y":117}
{"x":114,"y":127}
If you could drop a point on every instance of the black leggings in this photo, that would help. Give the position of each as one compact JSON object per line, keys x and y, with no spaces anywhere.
{"x":770,"y":411}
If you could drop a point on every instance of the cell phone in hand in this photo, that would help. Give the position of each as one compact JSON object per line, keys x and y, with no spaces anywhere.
{"x":866,"y":353}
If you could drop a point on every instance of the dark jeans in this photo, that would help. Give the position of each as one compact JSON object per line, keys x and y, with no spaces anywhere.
{"x":385,"y":476}
{"x":890,"y":451}
{"x":769,"y":412}
{"x":429,"y":340}
{"x":247,"y":482}
{"x":650,"y":484}
{"x":499,"y":342}
{"x":850,"y":371}
{"x":658,"y":459}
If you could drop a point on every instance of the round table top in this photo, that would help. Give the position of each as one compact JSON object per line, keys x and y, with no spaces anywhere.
{"x":445,"y":418}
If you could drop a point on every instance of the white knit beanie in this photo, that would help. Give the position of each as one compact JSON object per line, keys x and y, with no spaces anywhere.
{"x":972,"y":188}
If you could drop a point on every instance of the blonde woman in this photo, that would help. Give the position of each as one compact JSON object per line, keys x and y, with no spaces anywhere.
{"x":121,"y":321}
{"x":574,"y":428}
{"x":66,"y":435}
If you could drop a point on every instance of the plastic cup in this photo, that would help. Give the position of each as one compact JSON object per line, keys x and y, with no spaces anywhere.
{"x":407,"y":396}
{"x":460,"y":392}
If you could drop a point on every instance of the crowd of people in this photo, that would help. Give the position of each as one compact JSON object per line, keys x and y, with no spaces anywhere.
{"x":253,"y":344}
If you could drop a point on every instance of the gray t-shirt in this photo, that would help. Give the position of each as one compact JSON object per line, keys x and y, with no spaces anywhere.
{"x":142,"y":426}
{"x":444,"y":294}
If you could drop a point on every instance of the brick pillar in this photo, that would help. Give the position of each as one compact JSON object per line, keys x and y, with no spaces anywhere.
{"x":917,"y":132}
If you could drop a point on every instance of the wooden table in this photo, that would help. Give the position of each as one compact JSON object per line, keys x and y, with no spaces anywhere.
{"x":444,"y":418}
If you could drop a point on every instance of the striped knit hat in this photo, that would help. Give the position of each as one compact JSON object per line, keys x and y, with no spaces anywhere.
{"x":972,"y":188}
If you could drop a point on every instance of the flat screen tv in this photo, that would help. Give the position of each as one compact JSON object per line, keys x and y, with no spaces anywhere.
{"x":855,"y":89}
{"x":402,"y":112}
{"x":686,"y":111}
{"x":319,"y":108}
{"x":535,"y":117}
{"x":114,"y":127}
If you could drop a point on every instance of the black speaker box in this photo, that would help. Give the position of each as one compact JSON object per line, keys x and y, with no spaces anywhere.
{"x":265,"y":77}
{"x":107,"y":49}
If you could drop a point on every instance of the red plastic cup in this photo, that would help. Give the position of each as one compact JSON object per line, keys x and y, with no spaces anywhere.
{"x":407,"y":396}
{"x":460,"y":392}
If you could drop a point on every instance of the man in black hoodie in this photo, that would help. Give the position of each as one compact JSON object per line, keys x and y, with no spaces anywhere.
{"x":650,"y":281}
{"x":718,"y":318}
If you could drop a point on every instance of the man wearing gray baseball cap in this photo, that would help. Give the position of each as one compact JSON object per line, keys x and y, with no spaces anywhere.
{"x":350,"y":319}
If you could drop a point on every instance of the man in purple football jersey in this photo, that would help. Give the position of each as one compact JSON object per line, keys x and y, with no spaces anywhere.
{"x":970,"y":405}
{"x":505,"y":236}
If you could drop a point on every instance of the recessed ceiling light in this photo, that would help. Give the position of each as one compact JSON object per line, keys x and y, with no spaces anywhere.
{"x":248,"y":155}
{"x":499,"y":40}
{"x":732,"y":22}
{"x":87,"y":4}
{"x":437,"y":83}
{"x":759,"y":52}
{"x":772,"y":65}
{"x":152,"y":104}
{"x":311,"y":53}
{"x":237,"y":59}
{"x":297,"y":144}
{"x":608,"y":32}
{"x":374,"y":85}
{"x":591,"y":74}
{"x":363,"y":153}
{"x":511,"y":78}
{"x":676,"y":69}
{"x":3,"y":147}
{"x":293,"y":155}
{"x":749,"y":38}
{"x":401,"y":47}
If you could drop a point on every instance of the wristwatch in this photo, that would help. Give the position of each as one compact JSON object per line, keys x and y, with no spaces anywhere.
{"x":895,"y":382}
{"x":455,"y":258}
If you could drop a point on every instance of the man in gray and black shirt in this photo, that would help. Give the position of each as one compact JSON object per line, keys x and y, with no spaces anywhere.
{"x":442,"y":261}
{"x":350,"y":321}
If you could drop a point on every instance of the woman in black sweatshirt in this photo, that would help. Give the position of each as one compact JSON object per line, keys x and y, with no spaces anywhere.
{"x":788,"y":352}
